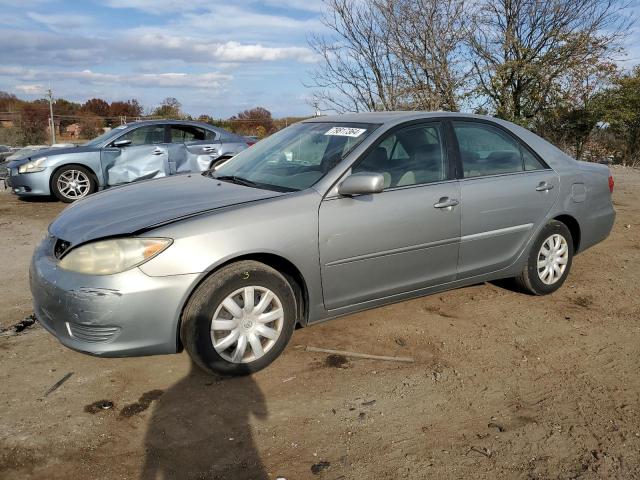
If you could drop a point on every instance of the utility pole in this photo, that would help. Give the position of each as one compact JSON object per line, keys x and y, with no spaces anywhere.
{"x":52,"y":125}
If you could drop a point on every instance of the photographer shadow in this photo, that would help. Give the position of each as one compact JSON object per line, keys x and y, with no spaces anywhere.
{"x":200,"y":428}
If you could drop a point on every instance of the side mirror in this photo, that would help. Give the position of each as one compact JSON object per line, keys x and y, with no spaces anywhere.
{"x":121,"y":143}
{"x":363,"y":183}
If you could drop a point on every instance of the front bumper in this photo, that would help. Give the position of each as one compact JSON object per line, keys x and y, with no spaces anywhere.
{"x":29,"y":184}
{"x":126,"y":314}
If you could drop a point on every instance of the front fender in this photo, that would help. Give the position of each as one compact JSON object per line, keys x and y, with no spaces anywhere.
{"x":90,"y":160}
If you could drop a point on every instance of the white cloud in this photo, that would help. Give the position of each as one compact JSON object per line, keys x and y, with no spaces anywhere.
{"x":236,"y":52}
{"x":194,"y":49}
{"x":158,"y":7}
{"x":30,"y":89}
{"x":61,"y":22}
{"x":21,"y":47}
{"x":161,"y":7}
{"x":307,"y":5}
{"x":203,"y":81}
{"x":243,"y":23}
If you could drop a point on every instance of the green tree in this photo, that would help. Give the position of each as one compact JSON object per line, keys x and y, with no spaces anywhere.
{"x":170,"y":107}
{"x":523,"y":51}
{"x":574,"y":108}
{"x":621,"y":107}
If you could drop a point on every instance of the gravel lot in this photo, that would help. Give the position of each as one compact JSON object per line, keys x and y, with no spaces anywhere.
{"x":505,"y":385}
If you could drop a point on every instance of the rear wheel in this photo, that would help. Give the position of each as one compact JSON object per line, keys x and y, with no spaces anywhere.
{"x":240,"y":319}
{"x":549,"y":260}
{"x":72,"y":183}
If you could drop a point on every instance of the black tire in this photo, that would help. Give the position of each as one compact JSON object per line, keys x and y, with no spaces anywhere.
{"x":195,"y":330}
{"x":529,"y":279}
{"x":83,"y":171}
{"x":217,"y":161}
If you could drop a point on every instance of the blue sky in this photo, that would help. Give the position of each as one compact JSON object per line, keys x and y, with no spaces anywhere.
{"x":216,"y":57}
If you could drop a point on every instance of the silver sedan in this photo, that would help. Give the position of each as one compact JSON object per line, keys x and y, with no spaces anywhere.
{"x":128,"y":153}
{"x":327,"y":217}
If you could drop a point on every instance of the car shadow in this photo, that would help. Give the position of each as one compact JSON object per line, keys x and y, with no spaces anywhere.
{"x":200,"y":428}
{"x":42,"y":199}
{"x":509,"y":284}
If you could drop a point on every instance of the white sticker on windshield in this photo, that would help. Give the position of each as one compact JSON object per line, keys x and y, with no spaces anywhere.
{"x":346,"y":131}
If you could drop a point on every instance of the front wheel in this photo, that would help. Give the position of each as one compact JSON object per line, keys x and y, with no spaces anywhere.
{"x":72,"y":183}
{"x":240,"y":319}
{"x":549,"y":260}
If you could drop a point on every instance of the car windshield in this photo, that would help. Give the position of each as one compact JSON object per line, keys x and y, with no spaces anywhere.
{"x":105,"y":136}
{"x":294,"y":158}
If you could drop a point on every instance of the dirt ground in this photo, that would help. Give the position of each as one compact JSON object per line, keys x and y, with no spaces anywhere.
{"x":504,"y":385}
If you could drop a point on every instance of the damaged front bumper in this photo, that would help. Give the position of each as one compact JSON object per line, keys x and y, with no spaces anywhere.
{"x":126,"y":314}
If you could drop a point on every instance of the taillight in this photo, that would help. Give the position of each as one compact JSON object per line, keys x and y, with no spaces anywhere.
{"x":611,"y":183}
{"x":250,"y":143}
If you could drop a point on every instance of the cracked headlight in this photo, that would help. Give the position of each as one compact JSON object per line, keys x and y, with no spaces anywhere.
{"x":33,"y":166}
{"x":113,"y":256}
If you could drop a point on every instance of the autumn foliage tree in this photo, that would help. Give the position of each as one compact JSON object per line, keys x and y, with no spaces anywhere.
{"x":129,"y":109}
{"x":97,"y":106}
{"x":34,"y":121}
{"x":255,"y":121}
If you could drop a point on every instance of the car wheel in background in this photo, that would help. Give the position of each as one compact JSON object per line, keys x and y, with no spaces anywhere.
{"x":549,"y":260}
{"x":239,"y":319}
{"x":72,"y":183}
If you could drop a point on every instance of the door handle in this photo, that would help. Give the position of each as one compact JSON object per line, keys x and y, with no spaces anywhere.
{"x":446,"y":202}
{"x":209,"y":149}
{"x":544,"y":187}
{"x":158,"y":151}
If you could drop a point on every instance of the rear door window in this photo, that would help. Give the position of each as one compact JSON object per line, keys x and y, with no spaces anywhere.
{"x":487,"y":150}
{"x":190,"y":134}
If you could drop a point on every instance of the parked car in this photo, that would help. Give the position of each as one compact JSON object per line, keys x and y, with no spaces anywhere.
{"x":128,"y":153}
{"x":24,"y":152}
{"x":327,"y":217}
{"x":5,"y":151}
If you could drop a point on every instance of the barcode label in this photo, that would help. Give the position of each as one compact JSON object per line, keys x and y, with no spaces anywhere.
{"x":346,"y":131}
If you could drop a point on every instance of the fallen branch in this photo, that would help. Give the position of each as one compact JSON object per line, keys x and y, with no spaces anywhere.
{"x":58,"y":384}
{"x":359,"y":355}
{"x":482,"y":451}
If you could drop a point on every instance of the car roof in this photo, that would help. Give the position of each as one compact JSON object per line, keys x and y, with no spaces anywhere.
{"x":393,"y":116}
{"x":164,"y":121}
{"x":555,"y":157}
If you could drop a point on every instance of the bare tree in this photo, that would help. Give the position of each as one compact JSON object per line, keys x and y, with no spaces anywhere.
{"x":427,"y":37}
{"x":523,"y":49}
{"x":391,"y":55}
{"x":359,"y":72}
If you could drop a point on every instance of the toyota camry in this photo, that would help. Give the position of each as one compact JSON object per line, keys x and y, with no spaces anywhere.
{"x":327,"y":217}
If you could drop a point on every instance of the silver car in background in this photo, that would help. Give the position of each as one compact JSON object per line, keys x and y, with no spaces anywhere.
{"x":128,"y":153}
{"x":327,"y":217}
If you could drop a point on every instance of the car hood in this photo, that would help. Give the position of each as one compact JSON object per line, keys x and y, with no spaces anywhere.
{"x":48,"y":152}
{"x":135,"y":207}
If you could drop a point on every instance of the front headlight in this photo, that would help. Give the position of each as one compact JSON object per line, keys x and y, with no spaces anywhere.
{"x":33,"y":166}
{"x":113,"y":256}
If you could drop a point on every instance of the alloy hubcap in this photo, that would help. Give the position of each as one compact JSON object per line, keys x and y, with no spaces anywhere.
{"x":552,"y":259}
{"x":247,"y":324}
{"x":73,"y":184}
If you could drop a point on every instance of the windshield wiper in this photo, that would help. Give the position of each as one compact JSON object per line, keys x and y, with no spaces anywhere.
{"x":237,"y":180}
